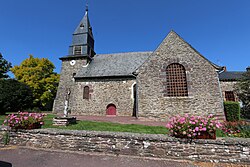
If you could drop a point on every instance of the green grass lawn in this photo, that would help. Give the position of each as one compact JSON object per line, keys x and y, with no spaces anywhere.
{"x":106,"y":126}
{"x":114,"y":127}
{"x":102,"y":126}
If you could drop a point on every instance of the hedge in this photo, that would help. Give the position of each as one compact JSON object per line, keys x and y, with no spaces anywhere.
{"x":232,"y":110}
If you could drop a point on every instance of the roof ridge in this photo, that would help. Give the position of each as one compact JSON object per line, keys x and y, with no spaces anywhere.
{"x":117,"y":53}
{"x":218,"y":67}
{"x":234,"y":71}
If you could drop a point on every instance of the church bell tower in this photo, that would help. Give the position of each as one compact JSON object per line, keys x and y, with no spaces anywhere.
{"x":81,"y":53}
{"x":83,"y":39}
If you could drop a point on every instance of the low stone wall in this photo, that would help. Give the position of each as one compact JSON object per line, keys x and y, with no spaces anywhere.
{"x":158,"y":146}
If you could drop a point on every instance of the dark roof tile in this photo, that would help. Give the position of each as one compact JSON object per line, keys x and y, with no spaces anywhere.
{"x":113,"y":65}
{"x":230,"y":75}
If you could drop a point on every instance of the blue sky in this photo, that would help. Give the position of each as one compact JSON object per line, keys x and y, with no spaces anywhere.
{"x":218,"y":29}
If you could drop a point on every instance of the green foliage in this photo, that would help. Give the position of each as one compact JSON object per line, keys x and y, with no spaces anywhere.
{"x":220,"y":133}
{"x":6,"y":138}
{"x":39,"y":75}
{"x":243,"y":92}
{"x":237,"y":129}
{"x":4,"y":67}
{"x":244,"y":131}
{"x":14,"y":96}
{"x":232,"y":110}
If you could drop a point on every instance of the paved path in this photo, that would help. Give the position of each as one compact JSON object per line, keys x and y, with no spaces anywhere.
{"x":24,"y":157}
{"x":13,"y":156}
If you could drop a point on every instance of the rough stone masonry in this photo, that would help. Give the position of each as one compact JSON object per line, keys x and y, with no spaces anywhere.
{"x":233,"y":150}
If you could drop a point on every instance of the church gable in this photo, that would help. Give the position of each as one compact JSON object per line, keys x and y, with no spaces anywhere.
{"x":172,"y":45}
{"x":177,"y":79}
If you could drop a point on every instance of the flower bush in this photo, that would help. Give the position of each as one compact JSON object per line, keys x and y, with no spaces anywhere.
{"x":237,"y":129}
{"x":24,"y":120}
{"x":188,"y":126}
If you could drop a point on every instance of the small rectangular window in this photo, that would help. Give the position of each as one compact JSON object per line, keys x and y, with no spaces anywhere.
{"x":229,"y":96}
{"x":77,"y":50}
{"x":86,"y":92}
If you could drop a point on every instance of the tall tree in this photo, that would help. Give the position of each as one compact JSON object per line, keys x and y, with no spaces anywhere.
{"x":243,"y":92}
{"x":4,"y":67}
{"x":39,"y":75}
{"x":14,"y":96}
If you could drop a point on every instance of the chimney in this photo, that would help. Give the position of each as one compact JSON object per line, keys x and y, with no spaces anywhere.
{"x":248,"y":68}
{"x":224,"y":68}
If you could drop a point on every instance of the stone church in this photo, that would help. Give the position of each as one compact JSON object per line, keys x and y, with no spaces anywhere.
{"x":173,"y":79}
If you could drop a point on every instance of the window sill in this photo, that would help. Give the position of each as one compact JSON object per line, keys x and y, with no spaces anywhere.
{"x":185,"y":97}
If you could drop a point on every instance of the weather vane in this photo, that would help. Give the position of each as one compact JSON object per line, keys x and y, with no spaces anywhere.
{"x":87,"y":5}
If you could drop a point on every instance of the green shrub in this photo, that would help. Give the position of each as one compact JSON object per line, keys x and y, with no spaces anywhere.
{"x":232,"y":110}
{"x":14,"y":96}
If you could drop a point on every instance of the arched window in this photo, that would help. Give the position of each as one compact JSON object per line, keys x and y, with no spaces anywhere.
{"x":176,"y":80}
{"x":86,"y":92}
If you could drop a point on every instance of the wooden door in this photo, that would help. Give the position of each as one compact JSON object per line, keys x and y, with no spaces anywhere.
{"x":111,"y":110}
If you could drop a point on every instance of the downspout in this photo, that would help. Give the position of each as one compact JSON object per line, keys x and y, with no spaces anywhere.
{"x":136,"y":100}
{"x":221,"y":93}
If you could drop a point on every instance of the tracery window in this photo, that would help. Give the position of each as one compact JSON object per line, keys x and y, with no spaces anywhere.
{"x":176,"y":84}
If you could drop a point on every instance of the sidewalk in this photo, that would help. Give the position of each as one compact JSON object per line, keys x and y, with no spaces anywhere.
{"x":24,"y":157}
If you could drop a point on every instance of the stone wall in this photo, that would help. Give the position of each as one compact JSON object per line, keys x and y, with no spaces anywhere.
{"x":158,"y":146}
{"x":204,"y":95}
{"x":66,"y":82}
{"x":103,"y":92}
{"x":227,"y":86}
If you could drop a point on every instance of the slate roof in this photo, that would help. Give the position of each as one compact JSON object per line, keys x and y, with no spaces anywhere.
{"x":230,"y":75}
{"x":84,"y":25}
{"x":113,"y":65}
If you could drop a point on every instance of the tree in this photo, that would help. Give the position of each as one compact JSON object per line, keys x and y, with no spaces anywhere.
{"x":39,"y":75}
{"x":14,"y":96}
{"x":4,"y":67}
{"x":243,"y":92}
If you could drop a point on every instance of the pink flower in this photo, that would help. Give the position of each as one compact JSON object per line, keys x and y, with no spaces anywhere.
{"x":218,"y":125}
{"x":191,"y":122}
{"x":196,"y":129}
{"x":203,"y":129}
{"x":210,"y":116}
{"x":168,"y":125}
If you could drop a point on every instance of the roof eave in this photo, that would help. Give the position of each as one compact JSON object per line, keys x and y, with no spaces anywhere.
{"x":68,"y":57}
{"x":104,"y":77}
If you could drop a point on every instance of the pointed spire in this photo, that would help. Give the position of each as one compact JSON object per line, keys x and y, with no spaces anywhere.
{"x":83,"y":37}
{"x":84,"y":26}
{"x":87,"y":7}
